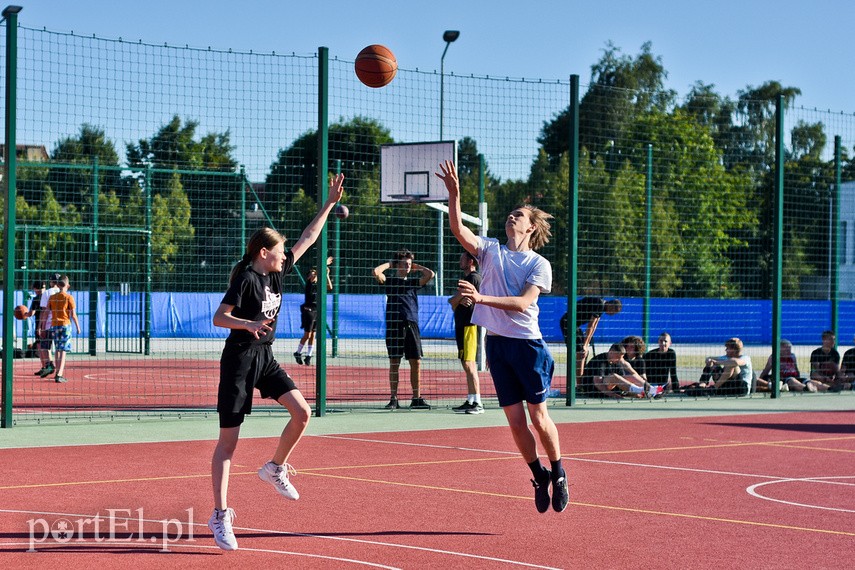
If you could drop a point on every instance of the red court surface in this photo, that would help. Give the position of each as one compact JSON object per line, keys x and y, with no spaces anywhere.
{"x":749,"y":491}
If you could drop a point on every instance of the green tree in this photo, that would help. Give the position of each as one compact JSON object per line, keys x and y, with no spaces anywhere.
{"x":620,"y":87}
{"x":356,"y":143}
{"x":171,"y":235}
{"x":75,"y":185}
{"x":209,"y":177}
{"x":710,"y":204}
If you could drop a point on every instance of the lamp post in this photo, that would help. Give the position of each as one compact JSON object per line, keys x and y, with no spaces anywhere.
{"x":448,"y":37}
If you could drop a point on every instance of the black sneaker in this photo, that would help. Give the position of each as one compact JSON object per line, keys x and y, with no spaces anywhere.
{"x":392,"y":405}
{"x":475,"y":409}
{"x":60,"y":379}
{"x":467,"y":405}
{"x":44,"y":372}
{"x":560,"y":493}
{"x":419,"y":404}
{"x":39,"y":371}
{"x":307,"y":360}
{"x":298,"y":357}
{"x":541,"y":492}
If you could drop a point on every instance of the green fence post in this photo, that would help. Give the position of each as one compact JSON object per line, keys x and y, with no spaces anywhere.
{"x":10,"y":14}
{"x":573,"y":242}
{"x":835,"y":243}
{"x":93,"y":264}
{"x":777,"y":244}
{"x":323,"y":174}
{"x":242,"y":175}
{"x":148,"y":265}
{"x":648,"y":239}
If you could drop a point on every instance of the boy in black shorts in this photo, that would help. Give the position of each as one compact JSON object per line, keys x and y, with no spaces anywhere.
{"x":402,"y":322}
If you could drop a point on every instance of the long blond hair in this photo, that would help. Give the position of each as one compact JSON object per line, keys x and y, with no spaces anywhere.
{"x":540,"y":220}
{"x":263,"y":238}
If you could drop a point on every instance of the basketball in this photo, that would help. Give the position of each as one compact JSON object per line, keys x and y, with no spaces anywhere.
{"x":341,"y":212}
{"x":376,"y":66}
{"x":21,"y":312}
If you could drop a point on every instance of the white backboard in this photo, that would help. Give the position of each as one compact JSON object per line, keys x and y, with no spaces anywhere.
{"x":407,"y":171}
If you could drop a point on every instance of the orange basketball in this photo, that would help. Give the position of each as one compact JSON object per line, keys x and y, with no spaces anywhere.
{"x":376,"y":66}
{"x":21,"y":312}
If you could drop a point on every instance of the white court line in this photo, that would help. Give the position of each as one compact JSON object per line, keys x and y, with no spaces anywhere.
{"x":564,"y":457}
{"x":307,"y":535}
{"x":111,"y":543}
{"x":752,"y":490}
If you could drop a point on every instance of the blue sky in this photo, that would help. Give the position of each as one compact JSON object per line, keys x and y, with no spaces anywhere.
{"x":731,"y":44}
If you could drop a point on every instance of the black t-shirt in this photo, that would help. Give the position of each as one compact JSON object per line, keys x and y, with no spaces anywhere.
{"x":36,"y":306}
{"x":256,"y":297}
{"x":588,"y":308}
{"x":600,"y":366}
{"x":849,"y":361}
{"x":660,"y":365}
{"x":818,"y":357}
{"x":638,"y":365}
{"x":463,"y":315}
{"x":402,"y":302}
{"x":310,"y":296}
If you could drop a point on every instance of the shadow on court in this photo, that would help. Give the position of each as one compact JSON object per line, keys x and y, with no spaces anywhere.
{"x":805,"y":428}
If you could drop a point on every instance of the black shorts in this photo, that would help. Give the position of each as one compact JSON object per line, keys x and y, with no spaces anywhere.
{"x":308,"y":318}
{"x":46,"y":340}
{"x":242,"y":369}
{"x":403,"y":340}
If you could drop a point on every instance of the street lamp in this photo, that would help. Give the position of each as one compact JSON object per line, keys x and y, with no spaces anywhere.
{"x":448,"y":37}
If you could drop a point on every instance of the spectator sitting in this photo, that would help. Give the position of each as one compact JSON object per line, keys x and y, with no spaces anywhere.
{"x":634,"y":346}
{"x":610,"y":375}
{"x":847,"y":369}
{"x":790,"y":376}
{"x":588,"y":313}
{"x":661,"y":365}
{"x":825,"y":364}
{"x":728,"y":375}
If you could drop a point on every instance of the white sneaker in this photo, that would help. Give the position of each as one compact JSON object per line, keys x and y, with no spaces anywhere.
{"x":277,"y":475}
{"x":220,"y":524}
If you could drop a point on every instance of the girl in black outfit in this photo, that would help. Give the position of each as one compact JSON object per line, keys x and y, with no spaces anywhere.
{"x":250,"y":308}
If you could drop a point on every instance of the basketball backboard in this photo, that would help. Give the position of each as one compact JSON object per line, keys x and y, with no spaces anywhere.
{"x":407,"y":171}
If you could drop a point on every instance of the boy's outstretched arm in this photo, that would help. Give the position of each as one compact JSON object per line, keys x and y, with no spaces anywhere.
{"x":464,"y":235}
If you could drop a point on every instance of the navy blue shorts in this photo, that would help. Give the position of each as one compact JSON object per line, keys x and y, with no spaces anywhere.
{"x":521,"y":369}
{"x":242,"y":370}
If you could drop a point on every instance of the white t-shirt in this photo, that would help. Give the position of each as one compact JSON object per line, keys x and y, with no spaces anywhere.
{"x":43,"y":303}
{"x":505,"y":273}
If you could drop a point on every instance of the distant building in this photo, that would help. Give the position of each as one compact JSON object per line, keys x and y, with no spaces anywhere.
{"x":27,"y":153}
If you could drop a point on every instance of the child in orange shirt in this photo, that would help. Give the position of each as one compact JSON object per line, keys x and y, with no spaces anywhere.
{"x":62,"y":309}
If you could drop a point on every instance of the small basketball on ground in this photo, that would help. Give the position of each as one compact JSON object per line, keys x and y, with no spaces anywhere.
{"x":21,"y":312}
{"x":376,"y":66}
{"x":341,"y":212}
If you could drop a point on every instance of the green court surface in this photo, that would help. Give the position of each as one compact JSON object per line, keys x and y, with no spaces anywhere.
{"x":363,"y":421}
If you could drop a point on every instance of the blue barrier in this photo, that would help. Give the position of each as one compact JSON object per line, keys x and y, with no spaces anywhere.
{"x":689,"y":321}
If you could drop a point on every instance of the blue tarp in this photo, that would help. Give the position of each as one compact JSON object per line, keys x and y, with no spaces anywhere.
{"x":188,"y":315}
